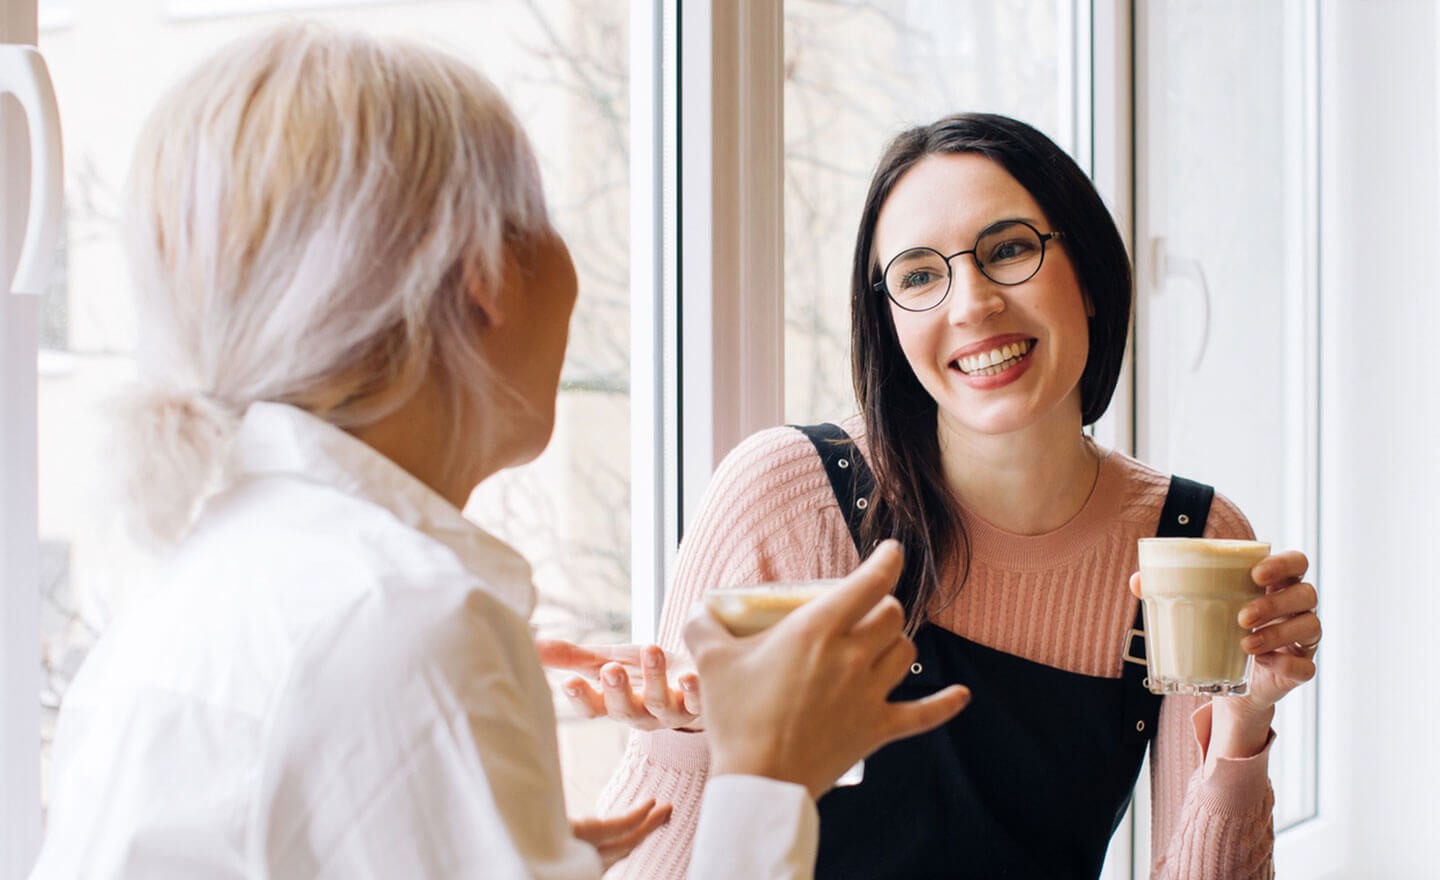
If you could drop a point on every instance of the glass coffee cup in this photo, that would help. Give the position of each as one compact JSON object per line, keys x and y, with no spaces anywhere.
{"x":755,"y":608}
{"x":1192,"y":592}
{"x":751,"y":609}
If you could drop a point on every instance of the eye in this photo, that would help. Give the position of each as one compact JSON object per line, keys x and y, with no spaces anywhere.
{"x":917,"y":278}
{"x":916,"y":273}
{"x":1010,"y":249}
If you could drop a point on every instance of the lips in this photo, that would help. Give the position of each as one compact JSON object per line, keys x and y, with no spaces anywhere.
{"x":991,"y":360}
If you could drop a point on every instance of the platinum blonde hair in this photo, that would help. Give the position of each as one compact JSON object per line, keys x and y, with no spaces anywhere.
{"x":307,"y":212}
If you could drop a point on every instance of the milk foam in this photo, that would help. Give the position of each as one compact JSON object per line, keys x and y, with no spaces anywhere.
{"x":748,"y":610}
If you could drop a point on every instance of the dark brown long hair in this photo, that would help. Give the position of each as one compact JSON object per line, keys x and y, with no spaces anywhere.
{"x":912,"y":502}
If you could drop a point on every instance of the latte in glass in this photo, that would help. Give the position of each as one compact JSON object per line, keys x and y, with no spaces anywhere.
{"x":1193,"y":590}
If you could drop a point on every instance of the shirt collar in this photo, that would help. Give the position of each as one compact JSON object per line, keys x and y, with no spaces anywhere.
{"x":276,"y":439}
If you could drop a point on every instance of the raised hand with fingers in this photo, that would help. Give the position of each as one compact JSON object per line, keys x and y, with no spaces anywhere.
{"x":806,"y":699}
{"x":655,"y":703}
{"x":615,"y":837}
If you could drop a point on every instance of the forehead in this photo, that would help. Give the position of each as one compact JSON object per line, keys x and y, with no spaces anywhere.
{"x":945,"y":200}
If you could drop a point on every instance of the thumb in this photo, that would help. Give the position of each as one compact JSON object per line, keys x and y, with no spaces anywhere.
{"x":872,"y":581}
{"x":703,"y":632}
{"x":1135,"y":584}
{"x":917,"y":716}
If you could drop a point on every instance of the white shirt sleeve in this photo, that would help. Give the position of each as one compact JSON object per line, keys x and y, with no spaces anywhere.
{"x":756,"y":828}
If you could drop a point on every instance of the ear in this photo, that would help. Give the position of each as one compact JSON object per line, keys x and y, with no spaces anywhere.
{"x":483,"y":296}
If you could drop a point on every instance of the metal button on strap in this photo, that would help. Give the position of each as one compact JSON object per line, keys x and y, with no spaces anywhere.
{"x":862,"y":503}
{"x":916,"y":668}
{"x":1140,"y":726}
{"x":1184,"y":519}
{"x":844,"y":463}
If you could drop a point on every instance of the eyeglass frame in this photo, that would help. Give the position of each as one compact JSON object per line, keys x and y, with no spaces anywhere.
{"x":1044,"y":237}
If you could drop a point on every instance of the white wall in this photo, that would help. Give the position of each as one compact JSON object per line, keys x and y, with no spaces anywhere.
{"x":1381,"y":401}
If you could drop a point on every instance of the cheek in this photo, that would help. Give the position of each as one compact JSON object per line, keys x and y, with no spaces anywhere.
{"x":923,"y":345}
{"x":912,"y":335}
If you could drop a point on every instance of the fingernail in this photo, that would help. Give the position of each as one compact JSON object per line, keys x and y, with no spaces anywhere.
{"x":1250,"y":643}
{"x":652,"y":659}
{"x":572,"y":692}
{"x":687,"y":685}
{"x":1248,"y":618}
{"x":611,"y":677}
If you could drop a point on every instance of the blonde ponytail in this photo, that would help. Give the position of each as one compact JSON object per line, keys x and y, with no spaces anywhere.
{"x":172,"y":449}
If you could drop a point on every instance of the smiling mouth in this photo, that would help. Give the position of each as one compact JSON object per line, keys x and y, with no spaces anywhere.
{"x":997,"y":360}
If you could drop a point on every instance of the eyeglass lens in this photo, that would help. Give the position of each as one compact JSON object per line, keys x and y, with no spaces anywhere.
{"x":1007,"y":254}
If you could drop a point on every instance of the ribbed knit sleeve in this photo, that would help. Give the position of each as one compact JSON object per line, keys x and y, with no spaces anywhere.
{"x":769,"y":515}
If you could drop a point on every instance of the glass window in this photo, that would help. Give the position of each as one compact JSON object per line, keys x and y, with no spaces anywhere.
{"x":1226,"y":363}
{"x":856,"y":74}
{"x":564,"y":65}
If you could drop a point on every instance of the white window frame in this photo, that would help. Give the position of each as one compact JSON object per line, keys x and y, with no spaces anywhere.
{"x":19,"y":537}
{"x":1105,"y":147}
{"x":651,"y":264}
{"x":732,"y":227}
{"x":1320,"y":847}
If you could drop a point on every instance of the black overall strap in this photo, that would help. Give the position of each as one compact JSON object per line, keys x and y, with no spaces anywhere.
{"x":850,"y":476}
{"x":1187,"y":505}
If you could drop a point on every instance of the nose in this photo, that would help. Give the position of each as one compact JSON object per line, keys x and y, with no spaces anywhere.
{"x":973,"y":297}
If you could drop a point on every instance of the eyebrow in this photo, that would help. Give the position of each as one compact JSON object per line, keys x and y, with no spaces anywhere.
{"x":1035,"y":222}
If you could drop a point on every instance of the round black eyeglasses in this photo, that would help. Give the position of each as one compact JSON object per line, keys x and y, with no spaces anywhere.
{"x":1008,"y":253}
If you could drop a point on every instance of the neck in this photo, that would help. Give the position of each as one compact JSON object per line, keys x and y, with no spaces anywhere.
{"x":417,"y":435}
{"x":1026,"y":482}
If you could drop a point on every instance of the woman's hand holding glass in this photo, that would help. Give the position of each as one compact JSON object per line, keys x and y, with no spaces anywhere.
{"x":656,"y":703}
{"x":1285,"y":636}
{"x":1286,"y":628}
{"x":806,"y":699}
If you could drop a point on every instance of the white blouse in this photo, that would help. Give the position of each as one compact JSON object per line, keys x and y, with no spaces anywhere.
{"x":335,"y":678}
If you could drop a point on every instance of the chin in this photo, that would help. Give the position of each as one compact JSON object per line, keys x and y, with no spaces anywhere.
{"x":534,"y":437}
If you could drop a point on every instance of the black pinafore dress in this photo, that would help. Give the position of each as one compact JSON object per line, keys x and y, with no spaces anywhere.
{"x":1031,"y":780}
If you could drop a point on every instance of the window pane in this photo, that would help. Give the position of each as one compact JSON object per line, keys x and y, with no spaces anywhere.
{"x":563,"y":64}
{"x":1226,"y":351}
{"x":856,"y":74}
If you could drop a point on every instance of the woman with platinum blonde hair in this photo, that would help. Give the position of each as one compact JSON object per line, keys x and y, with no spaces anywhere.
{"x":354,"y":309}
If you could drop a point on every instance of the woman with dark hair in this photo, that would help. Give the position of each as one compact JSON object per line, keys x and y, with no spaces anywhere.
{"x":991,"y":297}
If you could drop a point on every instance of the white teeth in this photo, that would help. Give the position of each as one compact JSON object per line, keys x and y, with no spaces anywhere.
{"x":994,"y":361}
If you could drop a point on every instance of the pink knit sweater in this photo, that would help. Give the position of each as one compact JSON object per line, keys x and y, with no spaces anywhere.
{"x":1061,"y":599}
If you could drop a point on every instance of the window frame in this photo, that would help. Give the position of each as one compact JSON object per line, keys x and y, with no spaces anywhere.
{"x":731,"y":219}
{"x":652,"y":485}
{"x":1106,"y":148}
{"x":20,"y":680}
